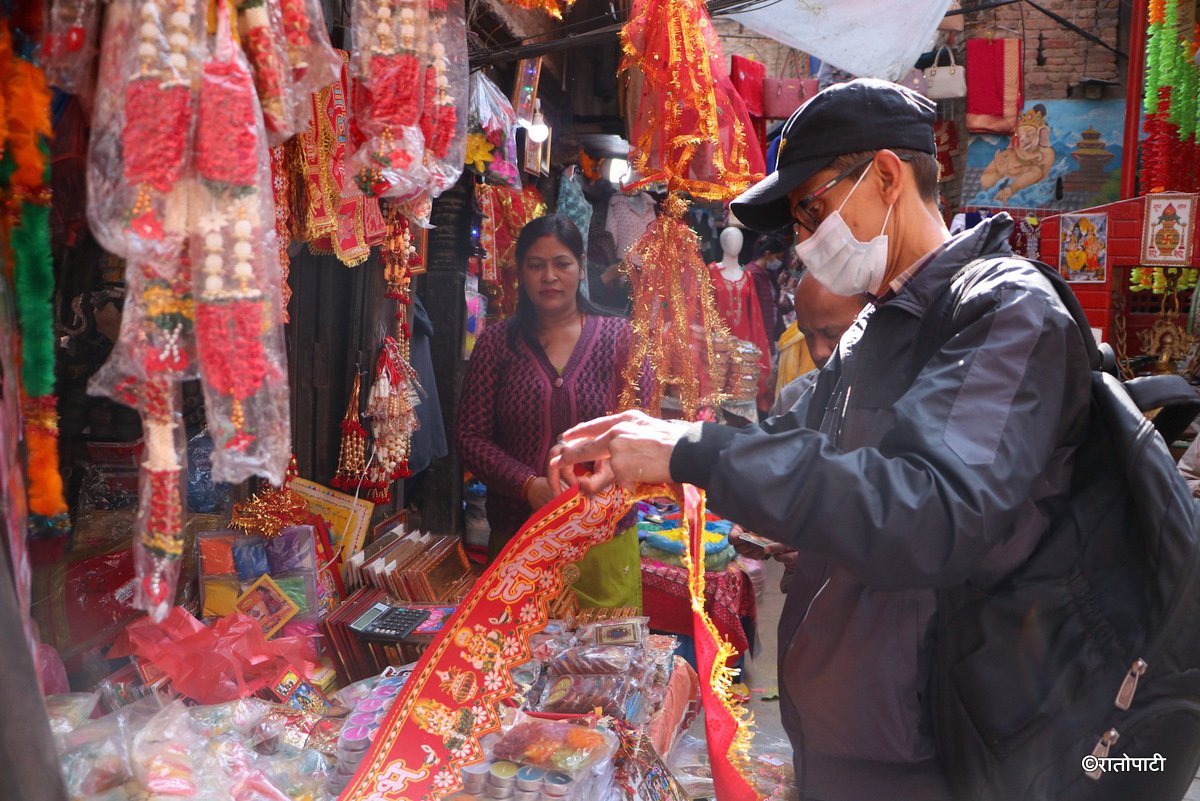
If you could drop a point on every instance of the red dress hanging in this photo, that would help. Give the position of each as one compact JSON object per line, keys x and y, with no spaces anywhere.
{"x":738,"y":305}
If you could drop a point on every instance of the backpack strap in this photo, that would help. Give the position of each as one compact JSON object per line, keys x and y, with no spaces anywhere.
{"x":936,"y":325}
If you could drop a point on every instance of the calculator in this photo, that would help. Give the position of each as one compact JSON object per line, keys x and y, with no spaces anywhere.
{"x":391,"y":623}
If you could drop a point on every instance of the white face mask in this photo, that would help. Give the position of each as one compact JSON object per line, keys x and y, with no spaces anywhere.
{"x":840,"y":262}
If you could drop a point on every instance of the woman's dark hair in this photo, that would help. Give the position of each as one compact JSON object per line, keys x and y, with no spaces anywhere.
{"x":769,"y":243}
{"x":566,"y":232}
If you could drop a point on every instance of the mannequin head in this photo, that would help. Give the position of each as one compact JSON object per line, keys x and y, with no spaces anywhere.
{"x":731,"y":243}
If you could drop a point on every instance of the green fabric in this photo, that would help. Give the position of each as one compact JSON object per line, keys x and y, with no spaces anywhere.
{"x":610,"y":575}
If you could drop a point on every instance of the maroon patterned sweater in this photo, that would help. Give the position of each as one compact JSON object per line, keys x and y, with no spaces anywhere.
{"x":515,"y":406}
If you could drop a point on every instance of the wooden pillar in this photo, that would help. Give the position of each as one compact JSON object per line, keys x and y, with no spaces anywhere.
{"x":28,"y":757}
{"x":441,"y":290}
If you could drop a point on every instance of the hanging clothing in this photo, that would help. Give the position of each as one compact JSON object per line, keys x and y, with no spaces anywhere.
{"x":628,"y":218}
{"x":514,"y":407}
{"x":574,"y":205}
{"x":738,"y":304}
{"x":429,"y":439}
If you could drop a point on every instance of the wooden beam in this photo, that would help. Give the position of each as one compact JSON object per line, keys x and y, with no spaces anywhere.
{"x":29,"y":767}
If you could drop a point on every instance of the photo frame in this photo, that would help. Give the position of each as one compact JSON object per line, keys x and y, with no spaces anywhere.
{"x":1168,"y":230}
{"x":1083,"y":248}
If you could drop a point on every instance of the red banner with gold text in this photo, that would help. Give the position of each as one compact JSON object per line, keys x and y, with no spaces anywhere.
{"x":453,"y":697}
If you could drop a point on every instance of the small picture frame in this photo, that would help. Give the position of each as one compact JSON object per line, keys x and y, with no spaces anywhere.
{"x":266,"y":603}
{"x":618,"y":632}
{"x":1169,"y":230}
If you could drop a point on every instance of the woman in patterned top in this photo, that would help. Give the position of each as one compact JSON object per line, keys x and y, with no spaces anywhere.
{"x":555,"y":364}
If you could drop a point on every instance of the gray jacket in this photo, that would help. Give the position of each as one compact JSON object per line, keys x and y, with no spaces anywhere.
{"x":894,"y":478}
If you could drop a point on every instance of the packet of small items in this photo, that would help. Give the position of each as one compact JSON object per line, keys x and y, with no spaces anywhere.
{"x":535,"y":759}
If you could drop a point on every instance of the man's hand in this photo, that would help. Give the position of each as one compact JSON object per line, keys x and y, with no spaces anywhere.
{"x":629,"y":448}
{"x":754,"y":546}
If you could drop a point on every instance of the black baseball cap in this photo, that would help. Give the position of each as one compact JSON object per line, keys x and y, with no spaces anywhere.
{"x":863,"y":114}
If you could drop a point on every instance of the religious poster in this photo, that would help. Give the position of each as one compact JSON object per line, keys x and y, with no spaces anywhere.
{"x":1064,"y":154}
{"x":1168,"y":230}
{"x":1083,"y":248}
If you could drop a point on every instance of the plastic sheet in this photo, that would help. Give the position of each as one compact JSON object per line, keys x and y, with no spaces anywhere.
{"x":239,"y":329}
{"x":387,"y":68}
{"x":314,"y":62}
{"x":69,"y":44}
{"x":444,"y":118}
{"x":260,"y":33}
{"x":138,"y":154}
{"x":491,"y":149}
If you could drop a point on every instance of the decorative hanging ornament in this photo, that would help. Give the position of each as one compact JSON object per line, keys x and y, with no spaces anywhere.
{"x":677,"y":329}
{"x":158,"y":116}
{"x":692,"y":129}
{"x":352,"y":456}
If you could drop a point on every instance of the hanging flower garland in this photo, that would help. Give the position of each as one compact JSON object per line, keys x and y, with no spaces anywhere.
{"x":24,"y":174}
{"x":158,"y":117}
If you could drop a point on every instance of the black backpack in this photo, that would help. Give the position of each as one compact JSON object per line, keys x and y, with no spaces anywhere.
{"x":1090,"y":650}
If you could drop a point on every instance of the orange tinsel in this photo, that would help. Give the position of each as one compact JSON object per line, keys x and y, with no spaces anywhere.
{"x":6,"y":55}
{"x":691,"y":129}
{"x":676,"y":326}
{"x":27,"y":110}
{"x":41,"y":445}
{"x":1156,"y":11}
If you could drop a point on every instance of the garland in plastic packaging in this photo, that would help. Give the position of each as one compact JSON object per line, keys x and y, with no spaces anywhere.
{"x":389,"y":157}
{"x":153,"y":354}
{"x":288,"y":48}
{"x":236,"y":275}
{"x":446,"y":81}
{"x":312,"y":58}
{"x":142,"y":127}
{"x":69,"y":43}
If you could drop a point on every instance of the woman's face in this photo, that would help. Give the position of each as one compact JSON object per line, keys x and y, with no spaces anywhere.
{"x":550,"y":275}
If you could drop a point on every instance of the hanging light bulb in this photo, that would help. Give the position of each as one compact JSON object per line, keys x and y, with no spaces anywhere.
{"x":538,"y":130}
{"x":617,"y":170}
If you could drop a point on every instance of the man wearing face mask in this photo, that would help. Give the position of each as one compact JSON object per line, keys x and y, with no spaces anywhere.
{"x":900,"y":472}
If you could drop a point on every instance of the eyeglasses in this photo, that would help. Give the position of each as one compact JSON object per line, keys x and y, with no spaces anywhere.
{"x":801,"y":211}
{"x":804,"y":215}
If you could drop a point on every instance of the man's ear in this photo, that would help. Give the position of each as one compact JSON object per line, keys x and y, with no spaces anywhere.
{"x":891,"y":174}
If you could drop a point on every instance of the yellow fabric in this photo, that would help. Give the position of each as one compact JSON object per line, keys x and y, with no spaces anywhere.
{"x":610,"y":575}
{"x":794,"y":358}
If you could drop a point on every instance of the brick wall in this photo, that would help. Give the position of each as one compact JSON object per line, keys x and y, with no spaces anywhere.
{"x":737,"y":40}
{"x":1067,"y":56}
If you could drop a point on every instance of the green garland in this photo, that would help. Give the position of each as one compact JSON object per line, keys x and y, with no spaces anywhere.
{"x":33,"y":276}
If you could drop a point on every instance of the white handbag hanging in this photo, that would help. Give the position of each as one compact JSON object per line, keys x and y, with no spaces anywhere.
{"x":945,"y":82}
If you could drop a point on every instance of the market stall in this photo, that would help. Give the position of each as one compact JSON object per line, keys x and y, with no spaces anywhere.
{"x":279,"y":232}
